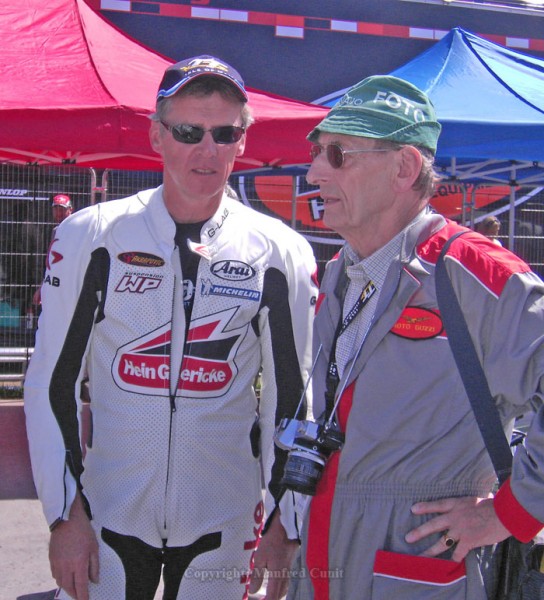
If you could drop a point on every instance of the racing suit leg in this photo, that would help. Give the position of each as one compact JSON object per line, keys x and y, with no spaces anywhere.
{"x":128,"y":569}
{"x":178,"y":559}
{"x":217,"y":565}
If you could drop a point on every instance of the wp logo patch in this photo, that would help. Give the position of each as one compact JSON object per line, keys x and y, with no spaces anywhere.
{"x":138,"y":284}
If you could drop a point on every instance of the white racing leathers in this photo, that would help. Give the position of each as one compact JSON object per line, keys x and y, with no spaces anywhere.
{"x":411,"y":434}
{"x":174,"y":459}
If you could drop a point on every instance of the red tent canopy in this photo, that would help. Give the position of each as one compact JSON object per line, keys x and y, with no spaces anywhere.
{"x":76,"y":89}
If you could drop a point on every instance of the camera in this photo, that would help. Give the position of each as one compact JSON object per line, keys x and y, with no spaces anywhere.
{"x":309,"y":444}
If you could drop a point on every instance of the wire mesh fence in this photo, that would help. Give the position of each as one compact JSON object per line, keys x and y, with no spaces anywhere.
{"x":26,"y":223}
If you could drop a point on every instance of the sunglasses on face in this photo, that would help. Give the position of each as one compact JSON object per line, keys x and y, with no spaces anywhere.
{"x":191,"y":134}
{"x":336,"y":154}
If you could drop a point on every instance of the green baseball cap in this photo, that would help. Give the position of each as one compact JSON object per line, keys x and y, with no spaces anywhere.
{"x":386,"y":108}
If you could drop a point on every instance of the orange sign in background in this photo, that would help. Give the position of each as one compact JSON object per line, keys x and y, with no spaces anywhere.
{"x":275,"y":192}
{"x":448,"y":199}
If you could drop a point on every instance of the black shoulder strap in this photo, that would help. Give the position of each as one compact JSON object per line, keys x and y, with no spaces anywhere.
{"x":472,"y":373}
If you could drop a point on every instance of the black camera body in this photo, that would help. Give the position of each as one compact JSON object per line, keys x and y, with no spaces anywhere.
{"x":309,"y":444}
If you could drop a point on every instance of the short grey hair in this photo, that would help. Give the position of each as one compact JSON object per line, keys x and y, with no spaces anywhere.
{"x":428,"y":178}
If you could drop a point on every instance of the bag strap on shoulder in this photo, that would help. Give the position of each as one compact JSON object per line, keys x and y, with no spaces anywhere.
{"x":470,"y":369}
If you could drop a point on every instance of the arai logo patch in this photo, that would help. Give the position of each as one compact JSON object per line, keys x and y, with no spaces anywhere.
{"x":233,"y":270}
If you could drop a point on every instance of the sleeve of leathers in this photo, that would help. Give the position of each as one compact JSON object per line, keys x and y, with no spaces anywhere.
{"x":286,"y":342}
{"x":66,"y":265}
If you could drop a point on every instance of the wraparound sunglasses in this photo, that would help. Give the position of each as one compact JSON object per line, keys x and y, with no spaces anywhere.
{"x":191,"y":134}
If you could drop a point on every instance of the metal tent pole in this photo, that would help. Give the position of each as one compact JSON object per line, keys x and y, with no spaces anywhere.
{"x":512,"y":210}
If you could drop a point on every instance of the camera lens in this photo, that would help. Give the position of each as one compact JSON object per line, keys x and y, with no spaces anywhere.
{"x":302,"y":472}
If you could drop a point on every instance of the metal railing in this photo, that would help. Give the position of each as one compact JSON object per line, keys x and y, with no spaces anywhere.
{"x":14,"y":357}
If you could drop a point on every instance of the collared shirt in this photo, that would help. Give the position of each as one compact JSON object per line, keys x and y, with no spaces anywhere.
{"x":359,"y":272}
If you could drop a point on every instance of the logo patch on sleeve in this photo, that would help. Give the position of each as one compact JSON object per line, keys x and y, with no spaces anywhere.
{"x":417,"y":323}
{"x":141,"y":259}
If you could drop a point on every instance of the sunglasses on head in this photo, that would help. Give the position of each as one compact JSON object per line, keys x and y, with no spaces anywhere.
{"x":191,"y":134}
{"x":336,"y":154}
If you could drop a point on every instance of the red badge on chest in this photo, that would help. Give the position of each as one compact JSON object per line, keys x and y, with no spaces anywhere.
{"x":418,"y":324}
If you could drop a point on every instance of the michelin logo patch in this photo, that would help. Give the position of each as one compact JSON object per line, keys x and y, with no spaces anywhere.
{"x":207,"y":288}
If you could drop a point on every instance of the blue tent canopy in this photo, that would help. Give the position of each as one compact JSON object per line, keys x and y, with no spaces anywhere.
{"x":490,"y":101}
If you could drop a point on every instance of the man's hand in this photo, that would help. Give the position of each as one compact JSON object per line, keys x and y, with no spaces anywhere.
{"x":275,"y":553}
{"x":470,"y":522}
{"x":73,"y":553}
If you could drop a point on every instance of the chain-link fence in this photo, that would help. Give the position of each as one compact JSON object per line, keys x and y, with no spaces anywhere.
{"x":26,"y":223}
{"x":520,"y":211}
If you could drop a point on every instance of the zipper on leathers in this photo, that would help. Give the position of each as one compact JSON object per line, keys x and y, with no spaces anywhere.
{"x":177,"y":333}
{"x":177,"y":340}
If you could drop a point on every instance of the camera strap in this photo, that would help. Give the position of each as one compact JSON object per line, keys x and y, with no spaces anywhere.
{"x":333,"y":378}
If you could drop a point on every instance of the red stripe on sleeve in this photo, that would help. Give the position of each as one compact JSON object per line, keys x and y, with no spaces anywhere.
{"x":513,"y":516}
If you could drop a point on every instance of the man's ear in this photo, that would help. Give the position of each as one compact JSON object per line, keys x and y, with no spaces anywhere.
{"x":155,"y":137}
{"x":409,"y":163}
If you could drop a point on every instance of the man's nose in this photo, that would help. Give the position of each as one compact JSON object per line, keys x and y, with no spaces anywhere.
{"x":316,"y":173}
{"x":207,"y":145}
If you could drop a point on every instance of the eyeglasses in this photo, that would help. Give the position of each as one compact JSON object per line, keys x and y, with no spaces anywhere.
{"x":191,"y":134}
{"x":336,"y":154}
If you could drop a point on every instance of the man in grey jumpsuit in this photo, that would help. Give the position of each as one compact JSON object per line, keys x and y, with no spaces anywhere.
{"x":173,"y":300}
{"x":402,"y":508}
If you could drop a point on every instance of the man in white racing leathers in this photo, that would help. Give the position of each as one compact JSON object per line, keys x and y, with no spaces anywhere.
{"x":172,"y":300}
